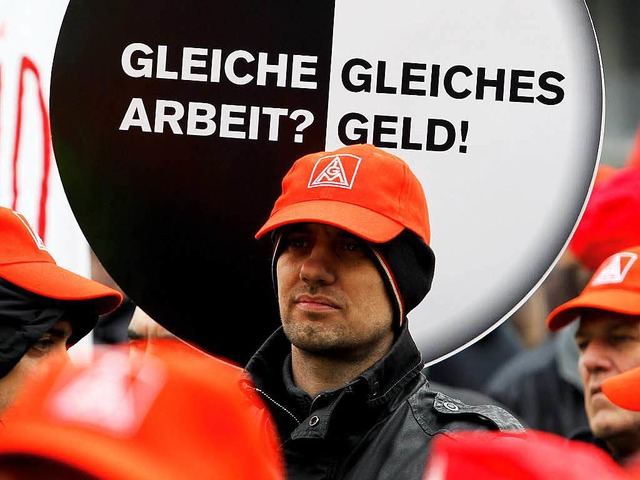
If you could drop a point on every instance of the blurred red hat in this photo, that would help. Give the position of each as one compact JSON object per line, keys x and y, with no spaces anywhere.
{"x":611,"y":220}
{"x":173,"y":412}
{"x":535,"y":455}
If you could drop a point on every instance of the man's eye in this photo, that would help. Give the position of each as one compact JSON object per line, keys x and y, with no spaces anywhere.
{"x":354,"y":247}
{"x":621,"y":338}
{"x":582,"y":345}
{"x":296,"y":242}
{"x":43,"y":346}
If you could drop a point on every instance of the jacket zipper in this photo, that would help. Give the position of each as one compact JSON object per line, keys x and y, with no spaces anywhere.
{"x":298,"y":422}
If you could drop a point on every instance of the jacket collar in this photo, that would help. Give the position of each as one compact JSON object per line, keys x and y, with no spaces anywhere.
{"x":392,"y":372}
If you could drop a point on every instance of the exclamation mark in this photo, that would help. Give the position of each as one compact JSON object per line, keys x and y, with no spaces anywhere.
{"x":464,"y":129}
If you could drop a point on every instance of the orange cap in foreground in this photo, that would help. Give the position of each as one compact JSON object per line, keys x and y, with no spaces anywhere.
{"x":614,"y":287}
{"x":623,"y":389}
{"x":359,"y":188}
{"x":25,"y":262}
{"x":536,"y":455}
{"x":171,"y":414}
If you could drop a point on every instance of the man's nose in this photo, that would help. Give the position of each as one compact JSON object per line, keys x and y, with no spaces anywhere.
{"x":596,"y":356}
{"x":319,"y":265}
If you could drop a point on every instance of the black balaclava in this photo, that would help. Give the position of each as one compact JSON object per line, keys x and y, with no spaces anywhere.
{"x":406,"y":263}
{"x":25,"y":317}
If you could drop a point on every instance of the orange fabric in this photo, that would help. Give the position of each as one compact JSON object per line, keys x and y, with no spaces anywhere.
{"x":359,"y":188}
{"x":162,"y":414}
{"x":615,"y":287}
{"x":623,"y":389}
{"x":536,"y":455}
{"x":25,"y":262}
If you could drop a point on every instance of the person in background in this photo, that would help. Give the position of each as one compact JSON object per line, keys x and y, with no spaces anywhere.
{"x":342,"y":377}
{"x":44,"y":308}
{"x":131,"y":413}
{"x":607,"y":313}
{"x":520,"y":349}
{"x":542,"y":386}
{"x":142,"y":326}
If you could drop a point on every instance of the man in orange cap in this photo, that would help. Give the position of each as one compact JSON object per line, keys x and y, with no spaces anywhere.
{"x":608,"y":337}
{"x":44,"y":308}
{"x":343,"y":377}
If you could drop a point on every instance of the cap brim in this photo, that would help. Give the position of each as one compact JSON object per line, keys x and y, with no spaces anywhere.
{"x":362,"y":222}
{"x":100,"y":455}
{"x":52,"y":281}
{"x":624,"y":389}
{"x":625,"y":302}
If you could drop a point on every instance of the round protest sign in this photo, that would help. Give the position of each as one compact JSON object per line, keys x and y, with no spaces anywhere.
{"x":173,"y":124}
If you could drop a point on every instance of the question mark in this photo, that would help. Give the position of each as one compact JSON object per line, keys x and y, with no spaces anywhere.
{"x":308,"y":120}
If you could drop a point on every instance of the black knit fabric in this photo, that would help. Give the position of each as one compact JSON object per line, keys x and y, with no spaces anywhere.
{"x":412,"y":263}
{"x":25,"y":317}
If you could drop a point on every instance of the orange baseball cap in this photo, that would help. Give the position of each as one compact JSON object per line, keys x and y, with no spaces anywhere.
{"x":536,"y":455}
{"x":358,"y":188}
{"x":614,"y":287}
{"x":623,"y":389}
{"x":130,"y":414}
{"x":25,"y":262}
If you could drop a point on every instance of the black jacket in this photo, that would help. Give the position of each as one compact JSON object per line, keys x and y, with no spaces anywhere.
{"x":542,"y":386}
{"x":378,"y":426}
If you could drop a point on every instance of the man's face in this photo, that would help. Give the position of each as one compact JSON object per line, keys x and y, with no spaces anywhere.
{"x":53,"y":342}
{"x":332,"y":297}
{"x":609,"y":344}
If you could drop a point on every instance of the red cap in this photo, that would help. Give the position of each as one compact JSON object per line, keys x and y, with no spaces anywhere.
{"x":623,"y":389}
{"x":25,"y":262}
{"x":611,"y":220}
{"x":614,"y":287}
{"x":359,"y":188}
{"x":537,"y":455}
{"x":168,"y":413}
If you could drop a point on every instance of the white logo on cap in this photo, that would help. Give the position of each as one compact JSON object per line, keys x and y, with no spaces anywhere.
{"x":437,"y":468}
{"x":334,"y":173}
{"x":109,"y":394}
{"x":615,"y":269}
{"x":36,"y":238}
